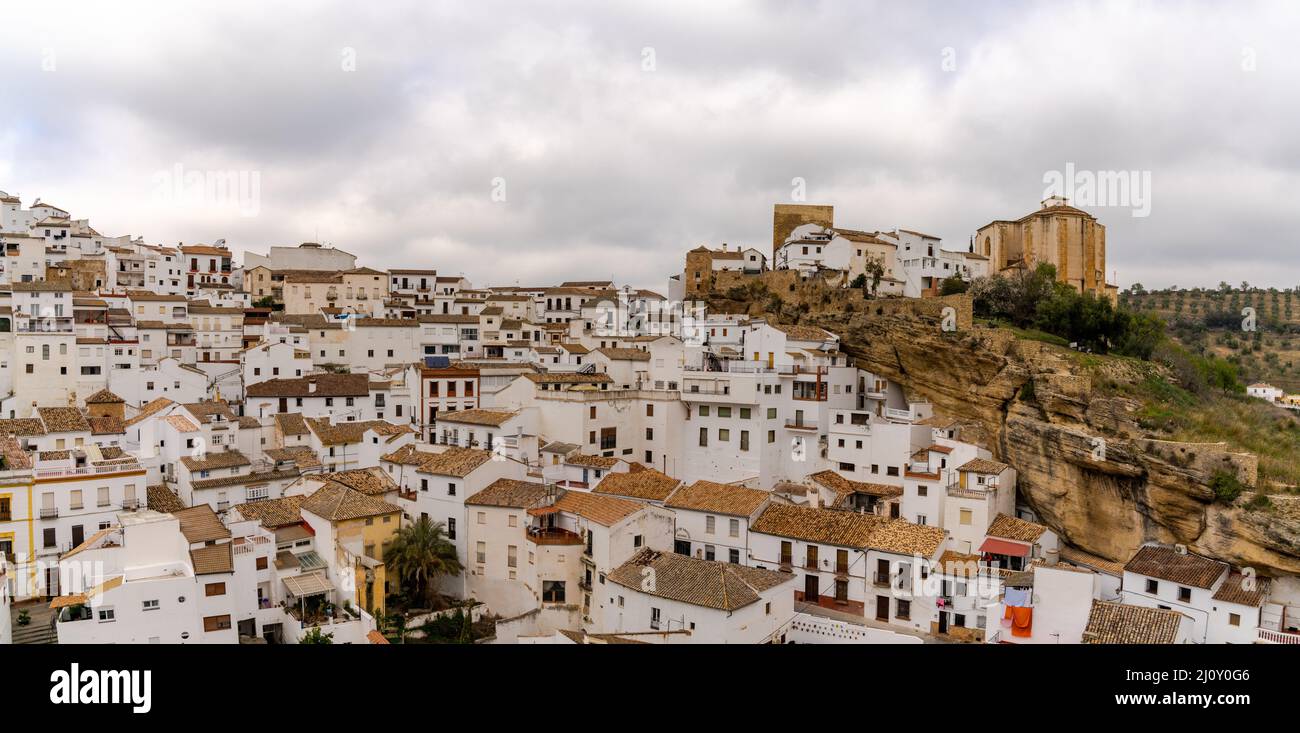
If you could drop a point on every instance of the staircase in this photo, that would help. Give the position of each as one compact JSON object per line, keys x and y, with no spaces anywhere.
{"x":34,"y":633}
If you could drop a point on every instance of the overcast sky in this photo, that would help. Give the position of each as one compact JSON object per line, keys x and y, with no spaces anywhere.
{"x":622,"y":134}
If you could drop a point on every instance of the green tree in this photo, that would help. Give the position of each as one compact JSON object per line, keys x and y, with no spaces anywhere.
{"x":953,"y":285}
{"x":419,"y":553}
{"x":315,"y":636}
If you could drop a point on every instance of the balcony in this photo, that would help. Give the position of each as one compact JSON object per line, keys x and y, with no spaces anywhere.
{"x":800,"y":425}
{"x":51,"y":513}
{"x":1270,"y":636}
{"x":881,"y":580}
{"x":130,"y":505}
{"x":553,"y":536}
{"x":87,"y":470}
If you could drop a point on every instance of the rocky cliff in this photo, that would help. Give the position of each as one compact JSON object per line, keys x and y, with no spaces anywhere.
{"x":1085,"y":466}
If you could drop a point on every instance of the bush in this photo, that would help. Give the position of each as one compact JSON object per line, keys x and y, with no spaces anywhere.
{"x":1226,"y":487}
{"x":1036,"y":300}
{"x":954,"y":285}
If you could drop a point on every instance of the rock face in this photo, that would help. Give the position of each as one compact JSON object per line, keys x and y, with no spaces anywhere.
{"x":1085,"y":466}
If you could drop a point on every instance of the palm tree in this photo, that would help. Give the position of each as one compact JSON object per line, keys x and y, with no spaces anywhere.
{"x":419,"y":553}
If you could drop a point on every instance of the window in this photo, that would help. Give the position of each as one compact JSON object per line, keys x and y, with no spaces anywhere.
{"x":480,"y":552}
{"x":744,"y":440}
{"x":704,"y":437}
{"x":904,"y":610}
{"x":214,"y":589}
{"x":106,"y":615}
{"x":1185,"y":594}
{"x":733,"y":527}
{"x":451,"y":490}
{"x":744,"y":413}
{"x":216,"y":623}
{"x":451,"y":528}
{"x":637,"y":540}
{"x":1234,"y":619}
{"x":709,"y":522}
{"x":724,"y":435}
{"x":1153,"y":587}
{"x":150,"y":605}
{"x":512,"y":556}
{"x":649,"y":433}
{"x":649,"y":410}
{"x":709,"y":552}
{"x":654,"y":618}
{"x":724,"y":412}
{"x":733,"y":556}
{"x":771,"y":436}
{"x":482,"y":517}
{"x":261,"y":563}
{"x":965,"y":516}
{"x":704,"y":410}
{"x":771,"y":413}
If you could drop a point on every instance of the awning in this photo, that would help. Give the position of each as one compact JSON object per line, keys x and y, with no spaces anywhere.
{"x":995,"y":546}
{"x":303,"y":586}
{"x":543,"y":510}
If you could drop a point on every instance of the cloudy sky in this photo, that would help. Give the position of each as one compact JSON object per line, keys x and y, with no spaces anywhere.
{"x":536,"y":142}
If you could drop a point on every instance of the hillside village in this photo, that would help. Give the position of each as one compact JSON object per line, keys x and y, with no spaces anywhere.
{"x":300,"y":448}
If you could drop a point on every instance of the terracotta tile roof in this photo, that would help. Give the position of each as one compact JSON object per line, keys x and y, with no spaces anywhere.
{"x":161,"y":499}
{"x":104,"y":397}
{"x":568,"y":377}
{"x":63,"y":420}
{"x":302,"y":456}
{"x":604,"y":510}
{"x":624,"y":354}
{"x":495,"y":418}
{"x":201,"y":524}
{"x":203,"y":410}
{"x":650,"y":485}
{"x":956,"y":563}
{"x":407,"y":455}
{"x":509,"y":493}
{"x":708,"y":496}
{"x":455,"y":461}
{"x":351,"y":432}
{"x":1014,"y":528}
{"x":1237,"y":588}
{"x":803,"y":333}
{"x":23,"y":427}
{"x":338,"y":503}
{"x":273,"y":513}
{"x":844,"y":487}
{"x":107,"y":425}
{"x":372,"y":481}
{"x":290,"y":423}
{"x":327,"y":385}
{"x":213,"y":559}
{"x":982,"y":465}
{"x":849,"y":529}
{"x":582,"y":459}
{"x":719,"y":585}
{"x":1117,"y":623}
{"x":215,"y":460}
{"x":1166,"y":563}
{"x":181,"y":423}
{"x":845,"y":529}
{"x":149,"y":410}
{"x":901,"y":537}
{"x":1088,"y":560}
{"x":247,"y":479}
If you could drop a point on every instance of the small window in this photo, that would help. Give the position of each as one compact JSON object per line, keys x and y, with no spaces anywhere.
{"x":1152,"y":586}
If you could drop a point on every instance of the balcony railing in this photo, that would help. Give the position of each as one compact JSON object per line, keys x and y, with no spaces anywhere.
{"x":51,"y":513}
{"x":1278,"y":637}
{"x":87,"y":470}
{"x":554,"y":537}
